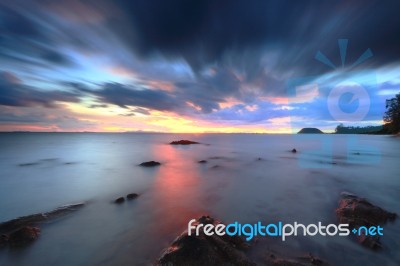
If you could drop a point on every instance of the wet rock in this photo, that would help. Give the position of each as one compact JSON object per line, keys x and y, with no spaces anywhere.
{"x":3,"y":240}
{"x":294,"y":150}
{"x":132,"y":196}
{"x":357,"y":212}
{"x":23,"y":236}
{"x":371,"y":242}
{"x":205,"y":250}
{"x":183,"y":142}
{"x":308,"y":260}
{"x":28,"y":164}
{"x":120,"y":200}
{"x":150,"y":164}
{"x":202,"y":161}
{"x":34,"y":219}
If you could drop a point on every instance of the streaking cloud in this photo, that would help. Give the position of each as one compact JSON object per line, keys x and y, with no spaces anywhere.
{"x":188,"y":66}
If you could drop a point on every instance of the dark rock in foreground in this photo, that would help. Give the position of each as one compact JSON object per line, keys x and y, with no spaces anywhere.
{"x":358,"y":212}
{"x":150,"y":164}
{"x":23,"y":236}
{"x":310,"y":130}
{"x":21,"y":231}
{"x":15,"y":224}
{"x":183,"y":142}
{"x":132,"y":196}
{"x":294,"y":150}
{"x":120,"y":200}
{"x":308,"y":260}
{"x":205,"y":250}
{"x":202,"y":161}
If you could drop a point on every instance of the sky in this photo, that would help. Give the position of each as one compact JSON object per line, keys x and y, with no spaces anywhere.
{"x":196,"y":66}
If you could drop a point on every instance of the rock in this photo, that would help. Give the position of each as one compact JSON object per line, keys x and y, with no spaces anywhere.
{"x":150,"y":164}
{"x":308,"y":260}
{"x":3,"y":240}
{"x":358,"y":212}
{"x":205,"y":250}
{"x":27,"y":164}
{"x":183,"y":142}
{"x":24,"y":221}
{"x":120,"y":200}
{"x":202,"y":161}
{"x":23,"y":236}
{"x":132,"y":196}
{"x":371,"y":242}
{"x":294,"y":150}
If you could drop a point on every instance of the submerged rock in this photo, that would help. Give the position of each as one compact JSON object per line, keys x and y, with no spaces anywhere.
{"x":23,"y":236}
{"x":150,"y":164}
{"x":21,"y":231}
{"x":132,"y":196}
{"x":205,"y":250}
{"x":28,"y":164}
{"x":294,"y":150}
{"x":202,"y":161}
{"x":20,"y":222}
{"x":358,"y":212}
{"x":120,"y":200}
{"x":183,"y":142}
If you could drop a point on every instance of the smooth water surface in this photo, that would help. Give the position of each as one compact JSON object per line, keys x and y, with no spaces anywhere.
{"x":248,"y":178}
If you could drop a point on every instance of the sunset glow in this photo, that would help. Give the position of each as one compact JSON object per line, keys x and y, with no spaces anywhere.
{"x":116,"y":80}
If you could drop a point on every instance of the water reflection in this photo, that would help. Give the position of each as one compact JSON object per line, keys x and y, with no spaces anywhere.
{"x":175,"y":190}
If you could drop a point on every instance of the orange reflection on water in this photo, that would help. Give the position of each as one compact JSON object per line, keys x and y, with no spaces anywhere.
{"x":176,"y":190}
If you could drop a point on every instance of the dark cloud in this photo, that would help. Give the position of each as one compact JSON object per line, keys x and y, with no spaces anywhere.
{"x":24,"y":36}
{"x":128,"y":114}
{"x":94,"y":106}
{"x":14,"y":93}
{"x":124,"y":96}
{"x":203,"y":31}
{"x":140,"y":111}
{"x":59,"y":119}
{"x":211,"y":51}
{"x":55,"y":57}
{"x":16,"y":25}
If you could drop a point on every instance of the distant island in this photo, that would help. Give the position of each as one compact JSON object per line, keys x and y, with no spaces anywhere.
{"x":310,"y":130}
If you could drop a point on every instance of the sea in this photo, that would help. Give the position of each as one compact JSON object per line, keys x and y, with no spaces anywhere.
{"x":247,"y":178}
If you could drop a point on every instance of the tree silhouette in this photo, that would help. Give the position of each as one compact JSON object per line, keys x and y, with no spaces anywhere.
{"x":392,"y":114}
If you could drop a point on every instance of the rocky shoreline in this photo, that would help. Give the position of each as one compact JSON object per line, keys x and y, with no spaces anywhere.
{"x":189,"y":249}
{"x":24,"y":230}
